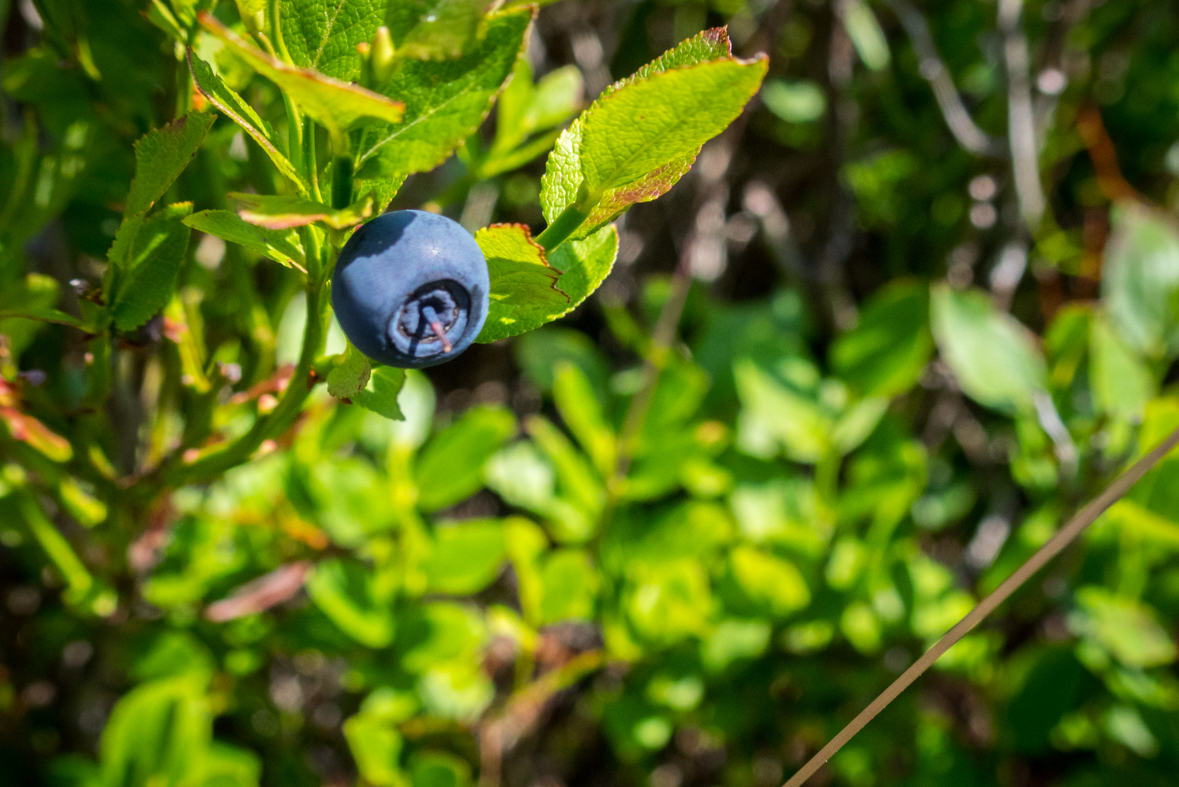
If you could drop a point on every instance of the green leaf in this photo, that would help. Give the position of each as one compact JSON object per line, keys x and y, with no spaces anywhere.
{"x":145,"y":284}
{"x":885,"y":354}
{"x":465,"y":557}
{"x":25,"y":300}
{"x":157,"y":734}
{"x":769,"y":581}
{"x":576,"y":477}
{"x":322,"y":34}
{"x":734,"y":640}
{"x":274,"y":212}
{"x":334,"y":104}
{"x":993,"y":357}
{"x":376,"y":746}
{"x":1140,"y":280}
{"x":239,"y":111}
{"x":283,"y":246}
{"x":344,"y":592}
{"x":525,"y":109}
{"x":434,"y":29}
{"x":643,"y":133}
{"x":657,"y":123}
{"x":351,"y":376}
{"x":450,"y":467}
{"x":794,"y":102}
{"x":570,"y":585}
{"x":524,"y":292}
{"x":160,"y":156}
{"x":381,"y":394}
{"x":1121,"y":381}
{"x":581,"y":411}
{"x":669,"y":601}
{"x":1127,"y":628}
{"x":444,"y":102}
{"x":865,"y":33}
{"x":580,"y":268}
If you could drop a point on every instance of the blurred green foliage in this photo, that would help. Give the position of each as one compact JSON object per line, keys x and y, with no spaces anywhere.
{"x":643,"y":546}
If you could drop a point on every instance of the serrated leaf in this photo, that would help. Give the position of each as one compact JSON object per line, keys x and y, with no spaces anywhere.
{"x":527,"y":296}
{"x":161,"y":155}
{"x":283,"y":246}
{"x":381,"y":394}
{"x":44,"y":314}
{"x":445,"y":102}
{"x":644,"y":132}
{"x":145,"y":285}
{"x":275,"y":212}
{"x":434,"y":29}
{"x":524,"y":291}
{"x":351,"y":376}
{"x":334,"y":104}
{"x":993,"y":357}
{"x":236,"y":109}
{"x":658,"y":122}
{"x":323,"y":34}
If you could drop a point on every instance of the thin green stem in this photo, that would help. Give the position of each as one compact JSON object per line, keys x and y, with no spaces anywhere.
{"x":564,"y":225}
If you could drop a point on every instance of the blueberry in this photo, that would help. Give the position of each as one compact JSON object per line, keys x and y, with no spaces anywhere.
{"x":411,"y":289}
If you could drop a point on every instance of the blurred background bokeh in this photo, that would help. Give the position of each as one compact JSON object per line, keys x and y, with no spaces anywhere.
{"x":933,"y":308}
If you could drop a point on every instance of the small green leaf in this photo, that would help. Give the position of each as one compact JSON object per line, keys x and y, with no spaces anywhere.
{"x":444,"y":102}
{"x":865,"y":33}
{"x":381,"y":394}
{"x":274,"y":212}
{"x":993,"y":357}
{"x":322,"y":34}
{"x":1120,"y":379}
{"x":643,"y":133}
{"x":351,"y":376}
{"x":570,"y":585}
{"x":145,"y":285}
{"x":887,"y":351}
{"x":344,"y":592}
{"x":794,"y":102}
{"x":581,"y":410}
{"x":465,"y":557}
{"x":376,"y":746}
{"x":282,"y":246}
{"x":43,"y":314}
{"x":158,"y":733}
{"x":334,"y":104}
{"x":524,"y":291}
{"x":1125,"y":627}
{"x":240,"y":112}
{"x":161,"y":155}
{"x":450,"y":467}
{"x":434,"y":29}
{"x":1140,"y":279}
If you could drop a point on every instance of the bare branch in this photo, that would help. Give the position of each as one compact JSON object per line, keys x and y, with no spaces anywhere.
{"x":1021,"y":119}
{"x":934,"y":71}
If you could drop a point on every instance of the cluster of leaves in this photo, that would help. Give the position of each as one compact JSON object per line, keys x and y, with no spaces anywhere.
{"x":235,"y":553}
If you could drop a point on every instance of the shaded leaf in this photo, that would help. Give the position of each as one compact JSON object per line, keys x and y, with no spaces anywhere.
{"x":274,"y":212}
{"x":351,"y":376}
{"x":334,"y":104}
{"x":282,"y":246}
{"x":885,"y":354}
{"x":444,"y":102}
{"x":240,"y":112}
{"x":381,"y":394}
{"x":145,"y":285}
{"x":524,"y":291}
{"x":450,"y":467}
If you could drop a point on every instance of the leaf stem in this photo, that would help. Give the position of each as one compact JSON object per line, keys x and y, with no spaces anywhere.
{"x":564,"y":225}
{"x":1065,"y":536}
{"x":279,"y":420}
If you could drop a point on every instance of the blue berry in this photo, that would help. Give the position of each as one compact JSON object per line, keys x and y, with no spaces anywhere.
{"x":411,"y":289}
